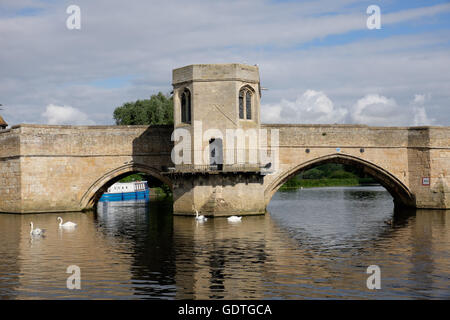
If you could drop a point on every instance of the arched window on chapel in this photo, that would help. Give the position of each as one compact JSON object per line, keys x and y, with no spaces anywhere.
{"x":246,"y":95}
{"x":186,"y":106}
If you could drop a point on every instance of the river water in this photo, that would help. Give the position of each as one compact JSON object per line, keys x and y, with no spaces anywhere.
{"x":313,"y":244}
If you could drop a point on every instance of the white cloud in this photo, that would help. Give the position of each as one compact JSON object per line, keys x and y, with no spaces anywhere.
{"x":420,"y":115}
{"x":421,"y":118}
{"x":415,"y":13}
{"x":311,"y":107}
{"x":373,"y":109}
{"x":377,"y":110}
{"x":419,"y":98}
{"x":65,"y":115}
{"x":293,"y":42}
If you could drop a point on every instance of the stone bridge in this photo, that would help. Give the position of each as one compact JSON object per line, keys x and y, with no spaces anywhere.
{"x":66,"y":168}
{"x":412,"y":163}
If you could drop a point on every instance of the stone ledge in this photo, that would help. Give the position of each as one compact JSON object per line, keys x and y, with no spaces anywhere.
{"x":51,"y":126}
{"x":299,"y":125}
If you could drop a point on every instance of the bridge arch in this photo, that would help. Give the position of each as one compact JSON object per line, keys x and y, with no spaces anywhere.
{"x":99,"y":186}
{"x":398,"y":190}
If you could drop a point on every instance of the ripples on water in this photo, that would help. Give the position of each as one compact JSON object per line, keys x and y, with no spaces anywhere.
{"x":315,"y":243}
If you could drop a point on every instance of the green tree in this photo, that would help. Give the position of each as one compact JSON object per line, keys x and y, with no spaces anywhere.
{"x":313,"y":174}
{"x":342,"y":174}
{"x":156,"y":110}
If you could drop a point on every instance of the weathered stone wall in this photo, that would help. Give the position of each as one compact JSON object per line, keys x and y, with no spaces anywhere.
{"x":385,"y":147}
{"x":219,"y":194}
{"x":431,"y":158}
{"x":215,"y":92}
{"x":62,"y":167}
{"x":66,"y":168}
{"x":10,"y":174}
{"x":400,"y":155}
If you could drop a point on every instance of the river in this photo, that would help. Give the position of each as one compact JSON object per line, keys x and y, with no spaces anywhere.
{"x":312,"y":244}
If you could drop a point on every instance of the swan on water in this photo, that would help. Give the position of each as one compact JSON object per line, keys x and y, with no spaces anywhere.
{"x":234,"y":219}
{"x":37,"y":231}
{"x":199,"y":218}
{"x":68,"y":224}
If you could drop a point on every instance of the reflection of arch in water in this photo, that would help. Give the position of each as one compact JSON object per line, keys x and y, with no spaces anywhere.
{"x":97,"y":188}
{"x":401,"y":194}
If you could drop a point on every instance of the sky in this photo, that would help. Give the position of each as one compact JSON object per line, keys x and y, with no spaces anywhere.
{"x":318,"y":60}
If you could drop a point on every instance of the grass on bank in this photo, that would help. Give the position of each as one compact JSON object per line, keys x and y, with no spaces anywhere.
{"x":294,"y":184}
{"x":328,"y":175}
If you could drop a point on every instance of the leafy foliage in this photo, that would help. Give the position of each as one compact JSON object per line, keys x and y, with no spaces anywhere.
{"x":327,"y":175}
{"x":313,"y":174}
{"x":156,"y":110}
{"x":342,"y":174}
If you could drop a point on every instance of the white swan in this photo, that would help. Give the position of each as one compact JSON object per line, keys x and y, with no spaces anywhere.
{"x":68,"y":224}
{"x":37,"y":231}
{"x":234,"y":219}
{"x":199,"y":218}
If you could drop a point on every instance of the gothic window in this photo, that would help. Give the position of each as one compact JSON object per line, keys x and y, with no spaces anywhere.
{"x":241,"y":104}
{"x":248,"y":105}
{"x":245,"y":103}
{"x":186,"y":106}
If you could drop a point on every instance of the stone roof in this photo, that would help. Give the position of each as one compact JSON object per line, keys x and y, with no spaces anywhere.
{"x":3,"y":122}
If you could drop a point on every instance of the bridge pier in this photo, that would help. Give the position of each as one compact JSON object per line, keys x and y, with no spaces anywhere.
{"x":216,"y":194}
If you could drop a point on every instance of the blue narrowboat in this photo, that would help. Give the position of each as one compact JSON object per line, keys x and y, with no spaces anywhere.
{"x":137,"y":190}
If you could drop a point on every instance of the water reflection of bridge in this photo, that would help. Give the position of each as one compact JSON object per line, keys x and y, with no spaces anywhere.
{"x":297,"y":268}
{"x":132,"y":253}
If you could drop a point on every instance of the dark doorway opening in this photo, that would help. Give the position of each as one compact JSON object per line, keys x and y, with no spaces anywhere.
{"x":216,"y":154}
